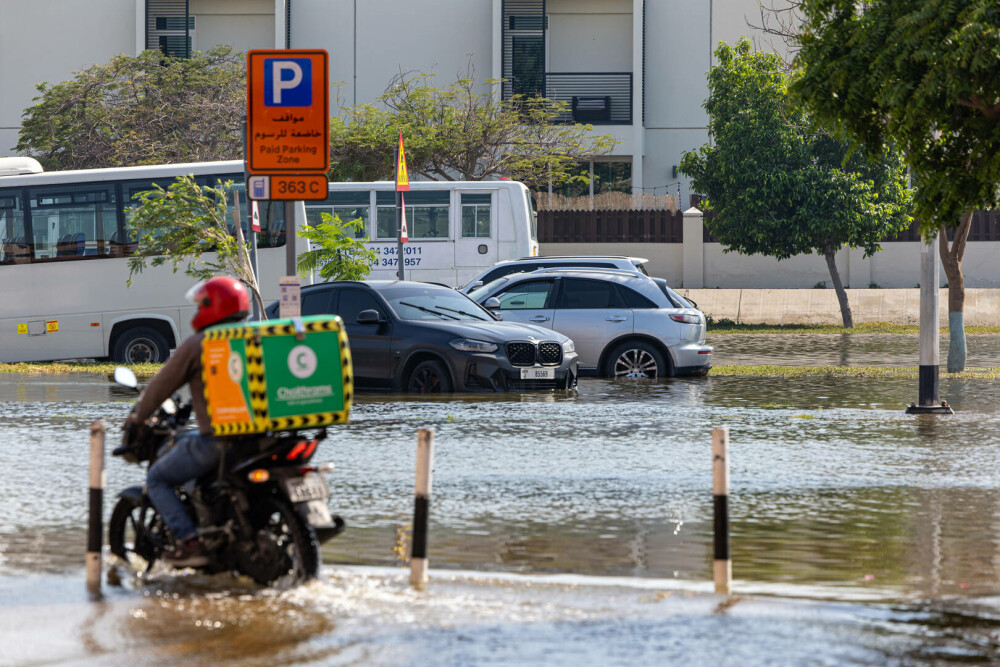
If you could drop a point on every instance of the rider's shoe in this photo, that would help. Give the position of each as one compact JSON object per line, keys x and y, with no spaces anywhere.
{"x":189,"y":553}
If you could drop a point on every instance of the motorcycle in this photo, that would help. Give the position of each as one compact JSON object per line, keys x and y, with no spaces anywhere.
{"x":263,"y":513}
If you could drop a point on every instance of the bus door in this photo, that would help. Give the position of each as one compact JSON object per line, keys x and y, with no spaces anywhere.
{"x":476,"y":235}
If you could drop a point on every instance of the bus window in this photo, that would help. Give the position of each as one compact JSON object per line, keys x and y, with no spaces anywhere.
{"x":476,"y":215}
{"x":347,"y":206}
{"x":72,"y":221}
{"x":426,"y":214}
{"x":15,"y":248}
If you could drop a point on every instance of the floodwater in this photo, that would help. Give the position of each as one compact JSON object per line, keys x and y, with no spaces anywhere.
{"x":567,"y":527}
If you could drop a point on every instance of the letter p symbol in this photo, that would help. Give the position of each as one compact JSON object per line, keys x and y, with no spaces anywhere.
{"x":288,"y":82}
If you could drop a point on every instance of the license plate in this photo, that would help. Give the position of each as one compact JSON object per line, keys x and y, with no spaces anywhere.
{"x":318,"y":514}
{"x":538,"y":373}
{"x":309,"y":487}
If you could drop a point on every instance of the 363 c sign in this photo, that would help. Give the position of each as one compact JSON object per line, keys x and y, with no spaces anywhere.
{"x":288,"y":187}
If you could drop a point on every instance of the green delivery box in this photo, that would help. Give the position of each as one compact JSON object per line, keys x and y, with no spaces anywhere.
{"x":277,"y":375}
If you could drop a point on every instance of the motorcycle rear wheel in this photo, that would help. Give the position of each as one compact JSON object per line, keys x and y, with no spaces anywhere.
{"x":285,"y":551}
{"x":136,"y":533}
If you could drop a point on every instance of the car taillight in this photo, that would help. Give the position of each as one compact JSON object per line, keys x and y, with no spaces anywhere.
{"x":685,"y":318}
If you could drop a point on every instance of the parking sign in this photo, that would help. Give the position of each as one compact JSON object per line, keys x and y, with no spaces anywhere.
{"x":288,"y":119}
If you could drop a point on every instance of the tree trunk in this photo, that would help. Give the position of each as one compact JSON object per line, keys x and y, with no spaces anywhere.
{"x":845,"y":307}
{"x":951,"y":260}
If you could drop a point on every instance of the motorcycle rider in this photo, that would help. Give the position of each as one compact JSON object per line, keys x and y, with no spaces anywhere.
{"x":219,"y":300}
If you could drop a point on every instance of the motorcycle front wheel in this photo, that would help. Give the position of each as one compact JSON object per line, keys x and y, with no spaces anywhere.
{"x":137,"y":533}
{"x":284,"y":550}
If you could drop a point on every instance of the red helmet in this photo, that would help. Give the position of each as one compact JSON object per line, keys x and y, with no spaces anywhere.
{"x":219,"y":299}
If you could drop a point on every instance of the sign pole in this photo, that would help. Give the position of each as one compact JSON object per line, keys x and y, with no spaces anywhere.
{"x":399,"y":220}
{"x":253,"y":236}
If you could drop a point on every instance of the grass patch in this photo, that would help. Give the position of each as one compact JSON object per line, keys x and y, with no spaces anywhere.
{"x":69,"y":367}
{"x":844,"y":372}
{"x":730,"y":327}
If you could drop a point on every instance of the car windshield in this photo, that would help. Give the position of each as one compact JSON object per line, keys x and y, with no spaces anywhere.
{"x":483,"y":290}
{"x":428,"y":302}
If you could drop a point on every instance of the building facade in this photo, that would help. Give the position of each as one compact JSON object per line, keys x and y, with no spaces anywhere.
{"x":634,"y":69}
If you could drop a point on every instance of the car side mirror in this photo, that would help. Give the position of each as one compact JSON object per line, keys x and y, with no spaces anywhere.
{"x":492,"y":303}
{"x":478,"y":283}
{"x":369,"y":316}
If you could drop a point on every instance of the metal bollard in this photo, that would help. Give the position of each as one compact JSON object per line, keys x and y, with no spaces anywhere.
{"x":421,"y":508}
{"x":95,"y":529}
{"x":720,"y":490}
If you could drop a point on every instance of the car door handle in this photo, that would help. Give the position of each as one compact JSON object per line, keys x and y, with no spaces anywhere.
{"x":616,"y":318}
{"x":538,"y":318}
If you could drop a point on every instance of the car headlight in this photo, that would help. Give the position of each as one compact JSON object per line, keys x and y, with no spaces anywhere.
{"x":568,"y":347}
{"x":473,"y":345}
{"x":686,"y":318}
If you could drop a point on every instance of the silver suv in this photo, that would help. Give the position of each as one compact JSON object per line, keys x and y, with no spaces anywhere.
{"x":525,"y":264}
{"x":622,"y":324}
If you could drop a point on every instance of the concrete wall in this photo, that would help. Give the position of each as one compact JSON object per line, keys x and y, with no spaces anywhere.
{"x":818,"y":306}
{"x":896,"y":266}
{"x":245,"y":25}
{"x":439,"y":37}
{"x":50,"y":41}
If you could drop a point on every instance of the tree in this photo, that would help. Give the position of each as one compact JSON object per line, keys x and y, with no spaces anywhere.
{"x":454,"y":133}
{"x":145,"y":109}
{"x":781,"y":186}
{"x":336,"y":255}
{"x":922,"y":74}
{"x":189,"y":222}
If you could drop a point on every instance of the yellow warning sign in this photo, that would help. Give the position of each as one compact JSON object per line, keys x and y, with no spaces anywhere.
{"x":402,"y":178}
{"x":22,"y":328}
{"x":51,"y":326}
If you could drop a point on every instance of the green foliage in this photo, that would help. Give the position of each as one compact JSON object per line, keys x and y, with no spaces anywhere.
{"x":457,"y":133}
{"x":338,"y":255}
{"x":144,"y":109}
{"x":780,"y":185}
{"x":920,"y":73}
{"x":189,"y":223}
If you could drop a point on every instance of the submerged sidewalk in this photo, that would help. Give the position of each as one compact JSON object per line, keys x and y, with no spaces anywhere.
{"x":820,"y":306}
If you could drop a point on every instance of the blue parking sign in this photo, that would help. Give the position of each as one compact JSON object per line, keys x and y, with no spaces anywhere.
{"x":287,"y":82}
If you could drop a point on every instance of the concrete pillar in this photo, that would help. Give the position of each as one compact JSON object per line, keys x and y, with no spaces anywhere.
{"x":279,"y":24}
{"x":638,"y":131}
{"x":694,"y":249}
{"x":497,"y":68}
{"x":859,"y":269}
{"x":140,"y":26}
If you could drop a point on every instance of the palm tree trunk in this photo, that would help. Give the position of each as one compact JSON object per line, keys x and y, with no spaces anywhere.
{"x":951,"y":260}
{"x":845,"y":307}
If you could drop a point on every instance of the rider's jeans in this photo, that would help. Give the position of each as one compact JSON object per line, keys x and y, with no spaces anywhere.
{"x":192,"y":456}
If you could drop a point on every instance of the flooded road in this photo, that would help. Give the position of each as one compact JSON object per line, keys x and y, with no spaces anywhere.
{"x":567,"y":527}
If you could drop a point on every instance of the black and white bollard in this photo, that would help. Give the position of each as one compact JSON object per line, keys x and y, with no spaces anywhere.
{"x":421,"y":508}
{"x":720,"y":490}
{"x":95,"y":529}
{"x":930,"y":355}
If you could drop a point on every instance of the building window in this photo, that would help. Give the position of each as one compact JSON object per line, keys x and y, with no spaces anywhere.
{"x":170,"y":27}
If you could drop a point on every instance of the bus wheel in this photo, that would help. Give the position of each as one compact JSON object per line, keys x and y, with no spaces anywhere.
{"x":140,"y":345}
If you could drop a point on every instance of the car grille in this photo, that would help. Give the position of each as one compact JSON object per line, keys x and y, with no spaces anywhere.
{"x":550,"y":354}
{"x":521,"y":354}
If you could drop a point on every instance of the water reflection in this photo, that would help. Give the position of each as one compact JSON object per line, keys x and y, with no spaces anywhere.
{"x":843,"y":349}
{"x":832,"y":484}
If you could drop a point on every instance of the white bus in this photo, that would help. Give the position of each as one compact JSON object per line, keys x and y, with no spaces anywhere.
{"x":456,"y":228}
{"x":64,"y":251}
{"x":64,"y":263}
